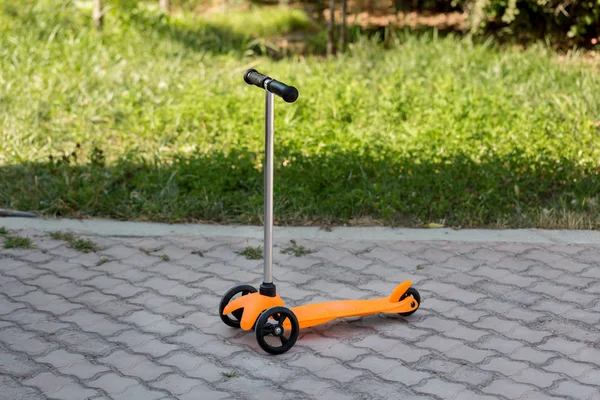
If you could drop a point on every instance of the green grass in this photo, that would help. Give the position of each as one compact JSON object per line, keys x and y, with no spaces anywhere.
{"x":434,"y":129}
{"x":65,"y":236}
{"x":232,"y":374}
{"x":252,"y":253}
{"x":18,"y":242}
{"x":3,"y":231}
{"x":102,"y":261}
{"x":296,"y":250}
{"x":82,"y":245}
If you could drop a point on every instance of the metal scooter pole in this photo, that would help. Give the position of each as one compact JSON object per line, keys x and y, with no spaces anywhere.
{"x":268,"y":240}
{"x":289,"y":94}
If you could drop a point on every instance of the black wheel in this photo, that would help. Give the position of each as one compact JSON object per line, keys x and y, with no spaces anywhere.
{"x":235,"y":317}
{"x":271,"y":336}
{"x":411,"y":292}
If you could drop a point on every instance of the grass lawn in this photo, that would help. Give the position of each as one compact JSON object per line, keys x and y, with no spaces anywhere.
{"x":151,"y":120}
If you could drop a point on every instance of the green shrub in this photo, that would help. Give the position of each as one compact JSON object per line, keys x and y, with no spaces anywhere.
{"x":576,"y":20}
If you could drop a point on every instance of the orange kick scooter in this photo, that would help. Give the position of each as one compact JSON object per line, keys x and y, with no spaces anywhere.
{"x":277,"y":327}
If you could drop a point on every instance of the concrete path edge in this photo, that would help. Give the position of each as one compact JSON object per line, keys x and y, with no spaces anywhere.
{"x":152,"y":229}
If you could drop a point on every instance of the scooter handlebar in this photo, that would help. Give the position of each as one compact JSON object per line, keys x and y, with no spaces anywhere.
{"x":288,"y":93}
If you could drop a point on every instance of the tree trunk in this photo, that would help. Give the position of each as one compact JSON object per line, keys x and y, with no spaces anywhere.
{"x":97,"y":16}
{"x":343,"y":26}
{"x":330,"y":29}
{"x":164,"y":5}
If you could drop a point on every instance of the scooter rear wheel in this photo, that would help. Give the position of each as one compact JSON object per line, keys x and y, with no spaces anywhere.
{"x":411,"y":292}
{"x":236,"y":316}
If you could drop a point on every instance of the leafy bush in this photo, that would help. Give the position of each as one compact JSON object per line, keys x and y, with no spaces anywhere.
{"x":574,"y":19}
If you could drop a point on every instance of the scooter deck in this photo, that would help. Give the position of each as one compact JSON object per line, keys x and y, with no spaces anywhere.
{"x":318,"y":313}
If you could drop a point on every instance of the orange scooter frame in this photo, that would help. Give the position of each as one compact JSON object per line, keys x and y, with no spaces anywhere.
{"x":276,"y":326}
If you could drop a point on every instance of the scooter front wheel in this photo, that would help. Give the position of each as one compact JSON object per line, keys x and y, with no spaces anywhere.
{"x":271,"y":334}
{"x":235,"y":317}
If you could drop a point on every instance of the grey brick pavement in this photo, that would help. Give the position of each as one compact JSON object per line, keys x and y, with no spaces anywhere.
{"x":138,"y":320}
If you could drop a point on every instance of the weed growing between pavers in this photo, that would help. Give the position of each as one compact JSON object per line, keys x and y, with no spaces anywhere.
{"x":82,"y":245}
{"x":149,"y":252}
{"x":231,"y":374}
{"x":165,"y":257}
{"x":3,"y":231}
{"x":296,"y":250}
{"x":65,"y":236}
{"x":103,"y":260}
{"x":18,"y":242}
{"x":252,"y":253}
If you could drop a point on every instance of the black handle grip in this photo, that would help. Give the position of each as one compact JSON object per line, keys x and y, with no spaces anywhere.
{"x":288,"y":93}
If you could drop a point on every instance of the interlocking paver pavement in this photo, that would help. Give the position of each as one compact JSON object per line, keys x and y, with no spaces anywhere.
{"x":138,"y":320}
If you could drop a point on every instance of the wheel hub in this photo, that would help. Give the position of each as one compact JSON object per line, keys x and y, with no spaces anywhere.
{"x":278,"y":330}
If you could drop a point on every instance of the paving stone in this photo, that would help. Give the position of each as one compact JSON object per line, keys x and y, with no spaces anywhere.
{"x":194,"y":366}
{"x":454,"y":348}
{"x":569,"y":367}
{"x":440,"y":388}
{"x":498,"y":320}
{"x":153,"y":323}
{"x":535,"y":377}
{"x":326,"y":368}
{"x":457,"y":372}
{"x":11,"y":287}
{"x":121,"y":388}
{"x":119,"y":252}
{"x":576,"y":390}
{"x":94,"y":299}
{"x":93,"y":322}
{"x":72,"y":364}
{"x":8,"y":264}
{"x":179,"y":385}
{"x":590,"y":355}
{"x":7,"y":306}
{"x":252,"y":389}
{"x":141,"y":259}
{"x":451,"y":292}
{"x":507,"y":388}
{"x":25,"y":272}
{"x":13,"y":390}
{"x":48,"y":302}
{"x":37,"y":257}
{"x":177,"y":273}
{"x":391,"y":348}
{"x":36,"y":321}
{"x":144,"y":343}
{"x":511,"y":329}
{"x":452,"y":329}
{"x":82,"y":342}
{"x":86,"y":259}
{"x":376,"y":389}
{"x":135,"y":365}
{"x":391,"y":370}
{"x":317,"y":389}
{"x":139,"y":392}
{"x":19,"y":340}
{"x":568,"y":329}
{"x":16,"y":364}
{"x":79,"y":274}
{"x":532,"y":355}
{"x":60,"y":387}
{"x":560,"y":345}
